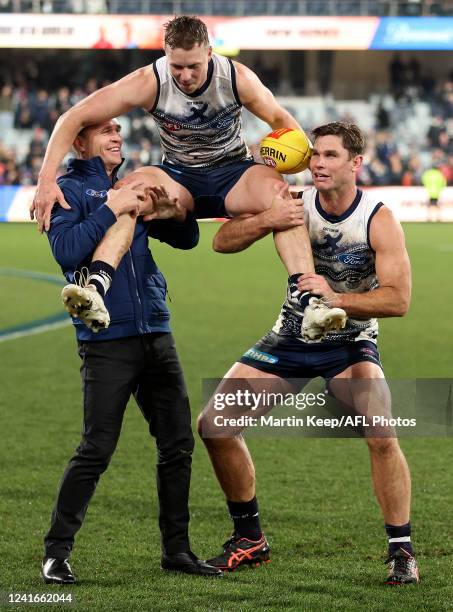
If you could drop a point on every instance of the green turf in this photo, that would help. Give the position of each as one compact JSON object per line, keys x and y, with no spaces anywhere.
{"x":316,"y":498}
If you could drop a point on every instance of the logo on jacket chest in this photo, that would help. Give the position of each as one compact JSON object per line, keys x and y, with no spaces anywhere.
{"x":96,"y":194}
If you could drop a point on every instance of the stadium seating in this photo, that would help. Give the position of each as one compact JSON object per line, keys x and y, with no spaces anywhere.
{"x":404,"y":143}
{"x":236,"y":7}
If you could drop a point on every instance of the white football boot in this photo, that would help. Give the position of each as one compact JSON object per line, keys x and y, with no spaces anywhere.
{"x":86,"y":304}
{"x":320,"y":319}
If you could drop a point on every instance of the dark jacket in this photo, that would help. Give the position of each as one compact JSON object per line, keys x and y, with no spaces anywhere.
{"x":136,"y":298}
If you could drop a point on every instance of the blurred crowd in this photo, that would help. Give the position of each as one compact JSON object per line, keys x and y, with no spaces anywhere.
{"x":397,"y":158}
{"x":29,"y":112}
{"x":239,"y":7}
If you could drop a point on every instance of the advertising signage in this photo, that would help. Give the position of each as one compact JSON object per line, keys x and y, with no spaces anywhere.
{"x":228,"y":34}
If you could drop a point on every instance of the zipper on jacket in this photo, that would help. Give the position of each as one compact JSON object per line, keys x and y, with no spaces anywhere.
{"x":138,"y":295}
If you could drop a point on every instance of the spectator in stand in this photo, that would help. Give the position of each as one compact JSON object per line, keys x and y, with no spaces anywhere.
{"x":436,"y":127}
{"x":396,"y":168}
{"x":396,"y":74}
{"x":6,"y":99}
{"x":39,"y":109}
{"x":412,"y":175}
{"x":6,"y":108}
{"x":385,"y":146}
{"x":63,"y":101}
{"x":447,"y":100}
{"x":447,"y":169}
{"x":413,"y":73}
{"x":379,"y":173}
{"x":382,"y":117}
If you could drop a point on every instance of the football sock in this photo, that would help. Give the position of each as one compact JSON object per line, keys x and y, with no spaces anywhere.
{"x":246,"y":520}
{"x":302,"y":298}
{"x":399,"y":537}
{"x":100,"y":274}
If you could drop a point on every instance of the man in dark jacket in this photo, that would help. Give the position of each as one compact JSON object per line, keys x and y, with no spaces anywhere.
{"x":135,"y":355}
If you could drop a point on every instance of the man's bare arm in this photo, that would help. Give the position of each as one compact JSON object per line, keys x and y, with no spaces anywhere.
{"x":292,"y":244}
{"x":137,"y":89}
{"x":392,"y":297}
{"x":241,"y":232}
{"x":260,"y":101}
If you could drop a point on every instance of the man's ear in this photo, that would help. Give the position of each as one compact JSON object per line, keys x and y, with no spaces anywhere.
{"x":357,"y":162}
{"x":79,"y":146}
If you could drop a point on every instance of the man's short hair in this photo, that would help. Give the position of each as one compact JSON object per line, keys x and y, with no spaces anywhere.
{"x":83,"y":132}
{"x":352,"y":138}
{"x":185,"y":32}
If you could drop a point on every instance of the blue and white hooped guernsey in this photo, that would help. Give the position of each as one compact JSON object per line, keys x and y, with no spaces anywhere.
{"x":343,"y":255}
{"x":203,"y":129}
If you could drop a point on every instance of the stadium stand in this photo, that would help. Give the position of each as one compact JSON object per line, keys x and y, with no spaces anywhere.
{"x":379,"y":8}
{"x":408,"y":130}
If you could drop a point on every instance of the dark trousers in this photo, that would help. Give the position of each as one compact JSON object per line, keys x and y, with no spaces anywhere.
{"x":148,"y":367}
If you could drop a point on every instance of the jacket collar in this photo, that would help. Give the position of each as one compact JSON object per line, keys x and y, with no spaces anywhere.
{"x":92,"y":167}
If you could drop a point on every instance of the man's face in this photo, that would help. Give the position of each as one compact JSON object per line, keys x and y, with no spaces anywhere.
{"x":102,"y":140}
{"x":331,"y":165}
{"x":189,"y":67}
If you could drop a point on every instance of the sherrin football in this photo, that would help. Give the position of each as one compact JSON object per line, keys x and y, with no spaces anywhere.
{"x":287,"y":150}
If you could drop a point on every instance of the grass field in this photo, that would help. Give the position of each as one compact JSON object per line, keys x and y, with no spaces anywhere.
{"x":317,"y":505}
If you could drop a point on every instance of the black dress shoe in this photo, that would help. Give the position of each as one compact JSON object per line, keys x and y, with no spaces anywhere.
{"x":57,"y":571}
{"x":188,"y":563}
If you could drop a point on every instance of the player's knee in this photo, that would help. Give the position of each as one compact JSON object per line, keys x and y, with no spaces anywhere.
{"x":275,"y":186}
{"x":200,"y":424}
{"x":203,"y":424}
{"x":382,"y":446}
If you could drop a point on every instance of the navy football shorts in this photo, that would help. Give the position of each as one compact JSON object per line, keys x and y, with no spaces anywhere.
{"x":287,"y":357}
{"x":208,"y":186}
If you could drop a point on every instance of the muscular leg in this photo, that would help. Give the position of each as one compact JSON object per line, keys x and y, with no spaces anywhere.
{"x":86,"y":300}
{"x":234,"y":468}
{"x":119,"y":237}
{"x":254,"y":193}
{"x":230,"y":456}
{"x":116,"y":241}
{"x":156,"y":176}
{"x":389,"y":469}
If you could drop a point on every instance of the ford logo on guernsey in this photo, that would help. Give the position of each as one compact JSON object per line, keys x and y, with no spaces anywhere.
{"x":351,"y":259}
{"x":96,"y":194}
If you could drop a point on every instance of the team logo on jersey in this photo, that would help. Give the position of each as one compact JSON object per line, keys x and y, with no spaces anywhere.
{"x":96,"y":194}
{"x":352,"y":259}
{"x":198,"y":114}
{"x":330,"y":243}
